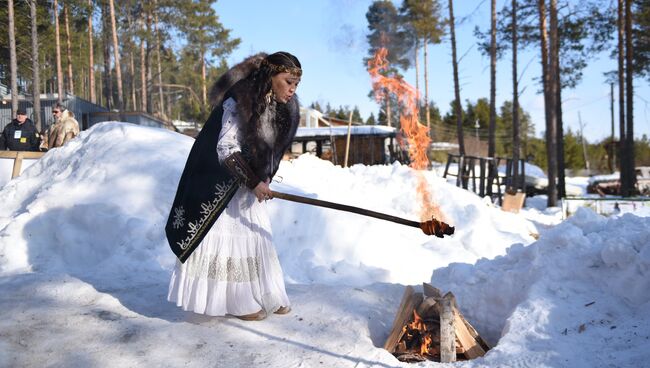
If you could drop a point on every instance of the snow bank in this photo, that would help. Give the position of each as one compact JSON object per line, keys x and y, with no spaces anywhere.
{"x":564,"y":298}
{"x":96,"y":204}
{"x":99,"y":204}
{"x":83,"y":252}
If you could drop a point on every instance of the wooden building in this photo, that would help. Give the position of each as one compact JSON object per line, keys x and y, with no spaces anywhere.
{"x":326,"y":137}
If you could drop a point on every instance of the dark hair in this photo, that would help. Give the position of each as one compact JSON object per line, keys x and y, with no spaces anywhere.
{"x":261,"y":77}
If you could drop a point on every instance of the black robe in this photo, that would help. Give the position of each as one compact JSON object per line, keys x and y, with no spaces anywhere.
{"x":206,"y":187}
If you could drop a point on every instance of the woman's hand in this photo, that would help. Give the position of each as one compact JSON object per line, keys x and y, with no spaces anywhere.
{"x":263,"y":191}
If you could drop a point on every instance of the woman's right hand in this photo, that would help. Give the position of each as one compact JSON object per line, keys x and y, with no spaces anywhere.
{"x":263,"y":191}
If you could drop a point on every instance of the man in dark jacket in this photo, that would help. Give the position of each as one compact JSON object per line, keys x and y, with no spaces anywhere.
{"x":20,"y":134}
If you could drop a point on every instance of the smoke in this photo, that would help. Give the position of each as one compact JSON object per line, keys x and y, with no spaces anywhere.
{"x":345,"y":23}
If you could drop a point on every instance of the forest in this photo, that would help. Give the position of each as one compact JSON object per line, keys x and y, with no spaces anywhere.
{"x":160,"y":56}
{"x":125,"y":55}
{"x":566,"y":35}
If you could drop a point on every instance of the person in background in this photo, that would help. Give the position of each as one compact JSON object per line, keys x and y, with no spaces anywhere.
{"x":64,"y":129}
{"x":20,"y":134}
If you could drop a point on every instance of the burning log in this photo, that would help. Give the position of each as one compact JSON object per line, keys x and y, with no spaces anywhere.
{"x":430,"y":227}
{"x":429,"y":326}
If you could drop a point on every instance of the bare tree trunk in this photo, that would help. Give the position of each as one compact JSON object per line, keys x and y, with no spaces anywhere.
{"x":134,"y":104}
{"x":35,"y":68}
{"x":204,"y":88}
{"x":629,"y":70}
{"x":108,"y":74}
{"x":13,"y":62}
{"x":612,"y":150}
{"x":101,"y":88}
{"x":148,"y":62}
{"x":621,"y":97}
{"x":169,"y":106}
{"x":561,"y":176}
{"x":143,"y":65}
{"x":57,"y":42}
{"x":426,"y":84}
{"x":116,"y":54}
{"x":417,"y":72}
{"x":91,"y":56}
{"x":143,"y":76}
{"x":516,"y":139}
{"x":550,"y":123}
{"x":161,"y":100}
{"x":458,"y":110}
{"x":493,"y":86}
{"x":561,"y":167}
{"x":552,"y":81}
{"x":68,"y":48}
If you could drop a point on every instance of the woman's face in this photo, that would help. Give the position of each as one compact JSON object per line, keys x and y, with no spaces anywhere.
{"x":284,"y":86}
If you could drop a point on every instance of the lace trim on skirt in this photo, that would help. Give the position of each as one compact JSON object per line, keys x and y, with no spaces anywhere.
{"x":224,"y":268}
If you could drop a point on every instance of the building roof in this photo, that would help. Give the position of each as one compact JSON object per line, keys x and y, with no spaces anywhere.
{"x":325,"y":132}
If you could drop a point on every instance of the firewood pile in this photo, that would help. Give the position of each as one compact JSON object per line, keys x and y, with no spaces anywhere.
{"x":429,"y":326}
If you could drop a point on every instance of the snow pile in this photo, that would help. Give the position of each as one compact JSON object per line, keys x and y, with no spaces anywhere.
{"x":83,"y":258}
{"x":317,"y":245}
{"x":101,"y":202}
{"x":98,"y":203}
{"x":576,"y":297}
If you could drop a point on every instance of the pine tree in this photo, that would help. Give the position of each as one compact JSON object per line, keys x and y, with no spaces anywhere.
{"x":493,"y":87}
{"x":66,"y":21}
{"x":371,"y":119}
{"x":424,"y":19}
{"x":628,"y":189}
{"x":641,"y":38}
{"x":204,"y":32}
{"x":59,"y":70}
{"x":385,"y":29}
{"x":515,"y":104}
{"x":91,"y":53}
{"x":458,"y":109}
{"x":36,"y":84}
{"x":13,"y":64}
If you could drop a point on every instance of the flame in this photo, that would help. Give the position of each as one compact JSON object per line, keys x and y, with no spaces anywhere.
{"x":419,"y":325}
{"x":417,"y":134}
{"x":424,"y":348}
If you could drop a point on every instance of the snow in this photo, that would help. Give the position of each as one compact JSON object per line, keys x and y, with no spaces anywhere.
{"x":84,"y":268}
{"x":381,"y":130}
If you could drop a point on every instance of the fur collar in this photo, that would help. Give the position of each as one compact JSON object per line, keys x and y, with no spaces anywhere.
{"x":264,"y":140}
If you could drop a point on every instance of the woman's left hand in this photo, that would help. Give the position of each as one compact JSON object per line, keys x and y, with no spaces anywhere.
{"x":263,"y":191}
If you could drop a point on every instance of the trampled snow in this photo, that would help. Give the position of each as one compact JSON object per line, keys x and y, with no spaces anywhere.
{"x":84,"y":268}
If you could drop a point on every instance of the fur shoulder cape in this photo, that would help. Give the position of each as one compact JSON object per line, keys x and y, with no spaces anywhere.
{"x":205,"y":187}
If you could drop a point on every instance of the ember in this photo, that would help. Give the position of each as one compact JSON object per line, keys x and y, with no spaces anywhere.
{"x":429,"y":326}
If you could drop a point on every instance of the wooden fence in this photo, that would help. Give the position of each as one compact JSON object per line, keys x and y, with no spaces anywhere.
{"x":18,"y":157}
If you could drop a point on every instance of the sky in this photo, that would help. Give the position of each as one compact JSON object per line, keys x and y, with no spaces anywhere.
{"x":329,"y":38}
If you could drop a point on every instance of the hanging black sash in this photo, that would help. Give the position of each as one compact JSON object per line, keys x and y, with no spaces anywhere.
{"x":204,"y":190}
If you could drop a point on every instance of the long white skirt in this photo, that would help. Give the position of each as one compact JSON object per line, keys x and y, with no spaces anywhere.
{"x":235,"y":270}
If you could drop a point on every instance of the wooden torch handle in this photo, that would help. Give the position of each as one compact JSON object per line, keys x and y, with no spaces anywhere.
{"x":343,"y":207}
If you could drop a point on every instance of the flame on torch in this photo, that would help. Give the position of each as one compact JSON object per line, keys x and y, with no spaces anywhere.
{"x":416,"y":134}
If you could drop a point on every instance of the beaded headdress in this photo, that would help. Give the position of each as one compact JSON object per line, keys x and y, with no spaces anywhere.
{"x":293,"y":70}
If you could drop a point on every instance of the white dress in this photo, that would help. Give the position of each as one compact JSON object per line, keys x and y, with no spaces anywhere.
{"x":235,"y":270}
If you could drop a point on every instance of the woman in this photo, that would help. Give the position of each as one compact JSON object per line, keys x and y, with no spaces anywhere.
{"x":219,"y":227}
